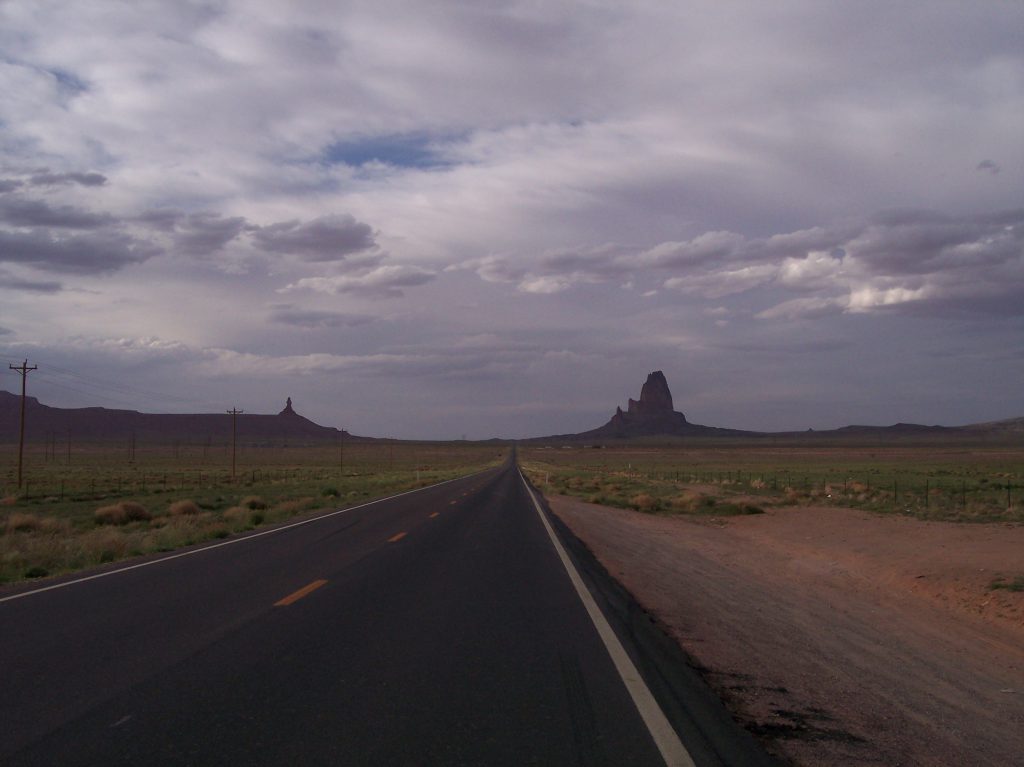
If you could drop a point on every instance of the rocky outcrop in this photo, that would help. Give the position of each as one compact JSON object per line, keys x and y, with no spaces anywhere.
{"x":653,"y":415}
{"x":655,"y":397}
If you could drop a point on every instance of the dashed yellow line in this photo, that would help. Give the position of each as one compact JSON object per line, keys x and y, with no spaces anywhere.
{"x":435,"y":514}
{"x":304,"y":591}
{"x":398,"y":537}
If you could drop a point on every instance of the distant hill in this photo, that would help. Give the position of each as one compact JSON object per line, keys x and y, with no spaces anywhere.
{"x":1008,"y":426}
{"x":99,"y":424}
{"x":654,"y":416}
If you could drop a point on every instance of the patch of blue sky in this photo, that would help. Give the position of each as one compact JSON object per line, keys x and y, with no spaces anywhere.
{"x":401,"y":150}
{"x":69,"y":84}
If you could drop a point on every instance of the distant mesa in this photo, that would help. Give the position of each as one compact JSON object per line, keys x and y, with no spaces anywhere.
{"x":101,"y":424}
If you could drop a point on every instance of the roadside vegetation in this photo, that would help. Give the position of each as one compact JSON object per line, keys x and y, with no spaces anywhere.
{"x":963,"y":484}
{"x":101,"y":506}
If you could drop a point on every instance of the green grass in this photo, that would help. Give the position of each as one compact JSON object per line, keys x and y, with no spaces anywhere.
{"x":956,"y":483}
{"x":103,"y":508}
{"x":1017,"y":584}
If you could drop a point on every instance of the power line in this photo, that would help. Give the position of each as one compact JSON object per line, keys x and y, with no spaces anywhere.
{"x":130,"y":395}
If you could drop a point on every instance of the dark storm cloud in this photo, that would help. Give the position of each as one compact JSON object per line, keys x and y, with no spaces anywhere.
{"x":60,"y":179}
{"x":9,"y":185}
{"x":924,"y":242}
{"x":328,"y":238}
{"x":204,"y":233}
{"x":20,"y":212}
{"x":316,"y":319}
{"x":90,"y":253}
{"x":163,"y":219}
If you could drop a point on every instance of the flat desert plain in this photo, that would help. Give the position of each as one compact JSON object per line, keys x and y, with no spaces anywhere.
{"x":837,"y":636}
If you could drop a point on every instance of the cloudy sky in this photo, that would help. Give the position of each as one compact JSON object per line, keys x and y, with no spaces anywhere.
{"x":489,"y":218}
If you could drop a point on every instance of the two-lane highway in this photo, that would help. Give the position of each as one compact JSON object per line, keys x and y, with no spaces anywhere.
{"x":436,"y":627}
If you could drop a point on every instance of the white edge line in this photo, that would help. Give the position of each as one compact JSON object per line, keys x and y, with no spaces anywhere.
{"x":241,"y":539}
{"x":665,"y":738}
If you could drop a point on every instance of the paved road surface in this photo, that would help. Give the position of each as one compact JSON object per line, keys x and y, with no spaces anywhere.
{"x":435,"y":628}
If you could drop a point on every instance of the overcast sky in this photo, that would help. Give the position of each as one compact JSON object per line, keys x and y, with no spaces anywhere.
{"x":436,"y":219}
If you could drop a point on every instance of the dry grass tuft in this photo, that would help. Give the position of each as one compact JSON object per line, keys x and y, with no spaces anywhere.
{"x":20,"y":522}
{"x":238,"y":517}
{"x":105,"y":544}
{"x":295,"y":506}
{"x":9,"y":500}
{"x":645,"y":502}
{"x":122,"y":513}
{"x":54,"y":526}
{"x":183,"y":508}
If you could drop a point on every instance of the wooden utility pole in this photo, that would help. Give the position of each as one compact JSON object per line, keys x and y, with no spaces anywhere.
{"x":341,"y":453}
{"x":234,"y":413}
{"x":24,"y":369}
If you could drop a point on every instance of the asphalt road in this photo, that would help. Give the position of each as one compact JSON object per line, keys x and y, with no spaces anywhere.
{"x":439,"y":627}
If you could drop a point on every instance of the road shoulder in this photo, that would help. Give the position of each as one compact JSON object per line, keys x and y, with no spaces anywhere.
{"x":826,"y":663}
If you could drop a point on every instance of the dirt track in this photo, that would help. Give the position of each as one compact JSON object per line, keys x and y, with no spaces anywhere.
{"x":840,"y":637}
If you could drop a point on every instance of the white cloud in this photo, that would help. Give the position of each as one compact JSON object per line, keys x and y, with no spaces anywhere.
{"x":384,"y":281}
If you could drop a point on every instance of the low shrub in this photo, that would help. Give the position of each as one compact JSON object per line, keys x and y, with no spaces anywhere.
{"x":183,"y":508}
{"x":253,"y":503}
{"x":136,"y":512}
{"x":110,"y":515}
{"x":737,"y":509}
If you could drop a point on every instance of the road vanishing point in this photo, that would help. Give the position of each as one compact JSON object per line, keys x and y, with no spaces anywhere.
{"x":459,"y":624}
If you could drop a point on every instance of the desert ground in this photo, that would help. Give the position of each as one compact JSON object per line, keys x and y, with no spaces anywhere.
{"x":839,"y":636}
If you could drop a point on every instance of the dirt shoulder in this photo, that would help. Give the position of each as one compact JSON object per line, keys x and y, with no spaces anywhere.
{"x":837,"y":636}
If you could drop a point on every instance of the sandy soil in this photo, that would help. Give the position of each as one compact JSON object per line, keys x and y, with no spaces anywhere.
{"x":839,"y":637}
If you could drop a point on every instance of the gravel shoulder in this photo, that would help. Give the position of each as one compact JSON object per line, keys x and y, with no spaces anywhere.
{"x":838,"y":637}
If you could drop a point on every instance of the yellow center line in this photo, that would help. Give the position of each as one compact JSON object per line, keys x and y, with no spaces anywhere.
{"x":398,"y":537}
{"x":436,"y":513}
{"x":299,"y":594}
